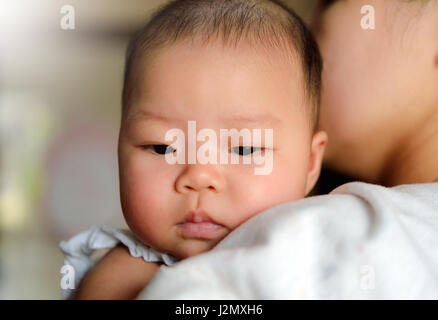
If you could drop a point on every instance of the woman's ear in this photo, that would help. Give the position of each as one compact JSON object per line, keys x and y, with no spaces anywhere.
{"x":319,"y":142}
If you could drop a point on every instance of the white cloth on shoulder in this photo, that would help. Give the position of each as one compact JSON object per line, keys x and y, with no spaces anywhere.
{"x":362,"y":241}
{"x":78,"y":250}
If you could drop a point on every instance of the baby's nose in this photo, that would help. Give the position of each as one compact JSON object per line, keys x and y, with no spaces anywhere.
{"x":200,"y":177}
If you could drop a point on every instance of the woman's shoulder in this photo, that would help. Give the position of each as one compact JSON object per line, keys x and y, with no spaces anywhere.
{"x":406,"y":193}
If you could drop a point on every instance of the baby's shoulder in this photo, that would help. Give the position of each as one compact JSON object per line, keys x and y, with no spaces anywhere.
{"x":118,"y":275}
{"x":83,"y":254}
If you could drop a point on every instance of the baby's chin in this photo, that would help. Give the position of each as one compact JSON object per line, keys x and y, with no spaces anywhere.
{"x":178,"y":247}
{"x":192,"y":247}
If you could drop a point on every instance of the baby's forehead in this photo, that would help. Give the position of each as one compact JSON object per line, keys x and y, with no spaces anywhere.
{"x":242,"y":80}
{"x":283,"y":57}
{"x":244,"y":64}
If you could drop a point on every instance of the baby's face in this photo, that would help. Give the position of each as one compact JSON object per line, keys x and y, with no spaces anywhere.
{"x":219,"y":89}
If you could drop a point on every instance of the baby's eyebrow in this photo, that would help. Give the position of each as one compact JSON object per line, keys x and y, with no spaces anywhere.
{"x":248,"y":119}
{"x":253,"y":119}
{"x":148,"y":115}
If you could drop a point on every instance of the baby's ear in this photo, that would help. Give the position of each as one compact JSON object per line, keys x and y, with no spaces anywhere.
{"x":319,"y":142}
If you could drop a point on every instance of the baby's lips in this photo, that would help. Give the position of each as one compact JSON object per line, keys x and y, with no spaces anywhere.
{"x":198,"y":224}
{"x":201,"y":230}
{"x":198,"y":217}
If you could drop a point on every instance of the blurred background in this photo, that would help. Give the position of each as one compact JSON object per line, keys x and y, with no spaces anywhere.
{"x":60,"y":94}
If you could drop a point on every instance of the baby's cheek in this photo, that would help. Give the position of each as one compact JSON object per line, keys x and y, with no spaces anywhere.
{"x":261,"y":193}
{"x":142,"y":205}
{"x":284,"y":184}
{"x":147,"y":216}
{"x":146,"y":197}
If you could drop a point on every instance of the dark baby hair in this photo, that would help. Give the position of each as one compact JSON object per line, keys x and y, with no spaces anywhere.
{"x":267,"y":23}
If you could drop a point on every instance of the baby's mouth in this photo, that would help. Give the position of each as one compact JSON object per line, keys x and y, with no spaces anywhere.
{"x":199,"y":225}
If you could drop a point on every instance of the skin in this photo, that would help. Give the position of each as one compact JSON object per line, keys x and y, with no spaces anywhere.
{"x":219,"y":87}
{"x":380,"y":98}
{"x":117,"y":276}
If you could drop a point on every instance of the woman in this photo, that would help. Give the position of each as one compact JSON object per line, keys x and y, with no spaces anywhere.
{"x":380,"y":97}
{"x":365,"y":240}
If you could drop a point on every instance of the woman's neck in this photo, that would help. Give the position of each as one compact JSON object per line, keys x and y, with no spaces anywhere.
{"x":416,"y":160}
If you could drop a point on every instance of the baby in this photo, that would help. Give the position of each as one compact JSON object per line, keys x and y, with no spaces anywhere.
{"x":221,"y":65}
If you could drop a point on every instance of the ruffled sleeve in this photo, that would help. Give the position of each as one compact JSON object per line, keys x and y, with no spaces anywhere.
{"x":78,"y":249}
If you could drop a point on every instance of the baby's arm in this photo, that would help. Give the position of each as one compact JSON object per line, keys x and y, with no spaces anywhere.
{"x":117,"y":275}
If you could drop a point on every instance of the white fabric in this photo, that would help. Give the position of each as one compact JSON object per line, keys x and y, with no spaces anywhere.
{"x":77,"y":251}
{"x":362,"y":241}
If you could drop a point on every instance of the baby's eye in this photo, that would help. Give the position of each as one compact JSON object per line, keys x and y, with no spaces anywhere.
{"x":159,"y":148}
{"x":244,"y":151}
